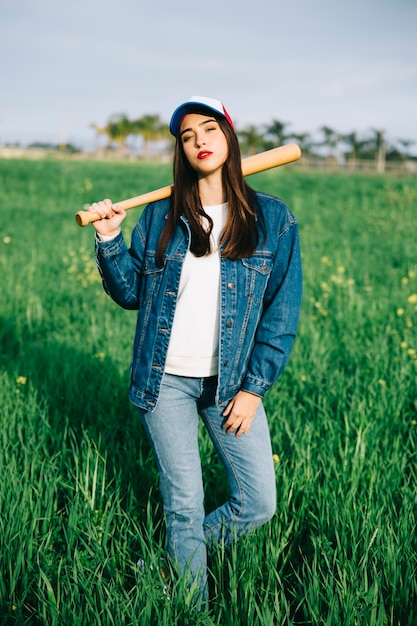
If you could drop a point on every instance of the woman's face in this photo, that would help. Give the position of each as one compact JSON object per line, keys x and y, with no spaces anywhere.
{"x":204,"y":143}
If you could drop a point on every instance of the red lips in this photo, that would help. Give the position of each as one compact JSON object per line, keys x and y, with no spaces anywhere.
{"x":204,"y":154}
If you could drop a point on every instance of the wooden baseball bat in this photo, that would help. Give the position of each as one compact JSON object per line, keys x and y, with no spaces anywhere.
{"x":250,"y":165}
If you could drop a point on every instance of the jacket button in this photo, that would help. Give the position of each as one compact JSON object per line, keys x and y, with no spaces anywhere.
{"x":229,"y":324}
{"x":225,"y":362}
{"x":230,"y":285}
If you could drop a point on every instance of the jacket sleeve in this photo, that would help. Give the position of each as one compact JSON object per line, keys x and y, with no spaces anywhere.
{"x":121,"y":267}
{"x":277,"y":326}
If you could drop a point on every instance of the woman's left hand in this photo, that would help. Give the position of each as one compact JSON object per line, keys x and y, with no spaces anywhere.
{"x":240,"y":413}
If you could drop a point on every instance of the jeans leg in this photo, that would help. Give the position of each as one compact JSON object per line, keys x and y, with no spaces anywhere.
{"x":173,"y":432}
{"x":250,"y":471}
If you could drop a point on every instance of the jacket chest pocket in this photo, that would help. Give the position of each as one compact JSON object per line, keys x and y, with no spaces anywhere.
{"x":151,"y":279}
{"x":257,"y":272}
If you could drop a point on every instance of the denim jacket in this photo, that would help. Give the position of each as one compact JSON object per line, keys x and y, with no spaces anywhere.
{"x":260,"y":299}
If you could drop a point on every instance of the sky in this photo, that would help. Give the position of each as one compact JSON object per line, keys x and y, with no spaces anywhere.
{"x":350,"y":65}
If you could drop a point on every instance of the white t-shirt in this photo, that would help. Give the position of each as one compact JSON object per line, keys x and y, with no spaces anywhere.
{"x":194,"y":344}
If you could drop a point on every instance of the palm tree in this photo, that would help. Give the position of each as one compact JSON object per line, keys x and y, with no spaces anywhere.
{"x":276,"y":131}
{"x":119,"y":127}
{"x":355,"y":147}
{"x":405,"y":144}
{"x":304,"y":141}
{"x":117,"y":130}
{"x":380,"y":149}
{"x":101,"y":130}
{"x":151,"y":128}
{"x":251,"y":139}
{"x":331,"y":139}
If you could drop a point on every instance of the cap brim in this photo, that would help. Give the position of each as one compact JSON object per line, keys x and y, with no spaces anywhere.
{"x":188,"y":107}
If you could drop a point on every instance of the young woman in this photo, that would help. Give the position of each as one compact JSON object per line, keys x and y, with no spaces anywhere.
{"x":215,"y":275}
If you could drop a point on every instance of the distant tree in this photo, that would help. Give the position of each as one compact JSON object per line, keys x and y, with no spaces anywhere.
{"x":331,"y":139}
{"x":304,"y":141}
{"x":117,"y":130}
{"x":405,"y":144}
{"x":150,"y":128}
{"x":276,"y":131}
{"x":380,"y":150}
{"x":394,"y":154}
{"x":101,"y":130}
{"x":251,"y":140}
{"x":355,"y":147}
{"x":119,"y":127}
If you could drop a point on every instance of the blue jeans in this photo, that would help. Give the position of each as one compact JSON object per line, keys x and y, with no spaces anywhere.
{"x":172,"y":429}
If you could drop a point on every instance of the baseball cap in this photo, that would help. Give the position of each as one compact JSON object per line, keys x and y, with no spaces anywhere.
{"x":196,"y":102}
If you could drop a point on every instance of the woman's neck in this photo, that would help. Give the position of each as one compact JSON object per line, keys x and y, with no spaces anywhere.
{"x":211,"y":191}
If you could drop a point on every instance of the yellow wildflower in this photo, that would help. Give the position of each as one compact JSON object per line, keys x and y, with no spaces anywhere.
{"x":21,"y":380}
{"x":400,"y":312}
{"x":336,"y":279}
{"x":412,"y":299}
{"x":276,"y":458}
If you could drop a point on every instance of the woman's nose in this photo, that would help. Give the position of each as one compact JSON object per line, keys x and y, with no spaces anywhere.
{"x":200,"y":140}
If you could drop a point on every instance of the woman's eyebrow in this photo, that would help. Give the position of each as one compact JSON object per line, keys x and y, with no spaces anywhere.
{"x":212,"y":119}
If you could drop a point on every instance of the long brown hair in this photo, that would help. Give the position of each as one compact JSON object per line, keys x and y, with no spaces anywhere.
{"x":241,"y":232}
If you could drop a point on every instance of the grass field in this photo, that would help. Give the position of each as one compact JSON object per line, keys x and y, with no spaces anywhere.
{"x":79,"y":500}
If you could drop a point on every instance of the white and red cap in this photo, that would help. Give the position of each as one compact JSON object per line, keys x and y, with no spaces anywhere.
{"x":196,"y":103}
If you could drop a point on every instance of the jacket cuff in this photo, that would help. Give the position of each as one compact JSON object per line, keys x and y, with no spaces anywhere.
{"x":255,"y":386}
{"x":111,"y":247}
